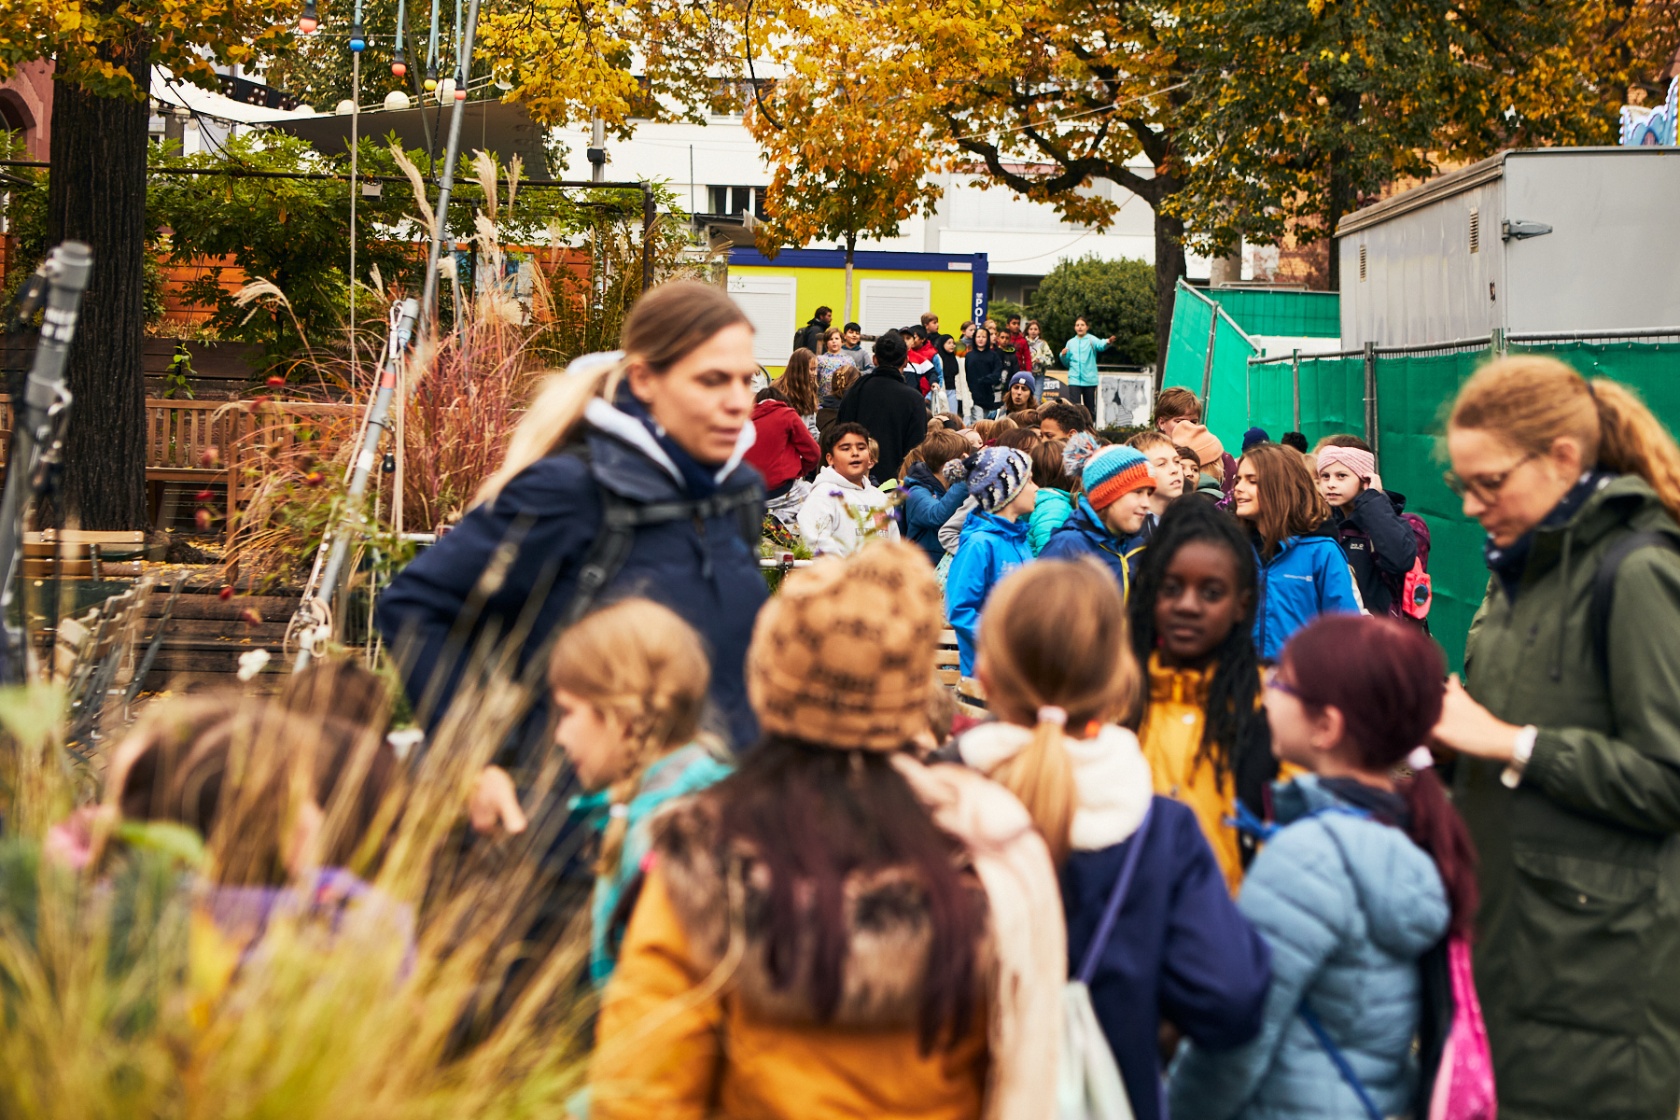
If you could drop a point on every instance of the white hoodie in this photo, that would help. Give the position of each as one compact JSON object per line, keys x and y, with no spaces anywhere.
{"x":829,"y":519}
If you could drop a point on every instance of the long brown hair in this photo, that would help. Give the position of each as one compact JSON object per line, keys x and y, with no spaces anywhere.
{"x":1054,"y":633}
{"x":666,"y":325}
{"x":798,"y":382}
{"x":1531,"y":401}
{"x":640,"y":664}
{"x":1290,"y":503}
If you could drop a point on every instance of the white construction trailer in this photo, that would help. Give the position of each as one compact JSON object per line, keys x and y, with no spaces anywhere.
{"x":1549,"y":240}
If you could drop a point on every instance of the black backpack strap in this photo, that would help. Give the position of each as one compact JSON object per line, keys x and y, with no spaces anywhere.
{"x":1604,"y":589}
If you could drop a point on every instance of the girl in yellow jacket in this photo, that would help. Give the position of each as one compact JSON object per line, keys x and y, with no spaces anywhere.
{"x":1202,"y":730}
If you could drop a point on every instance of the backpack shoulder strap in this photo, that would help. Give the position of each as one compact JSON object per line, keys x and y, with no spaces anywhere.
{"x":1604,"y":589}
{"x":1122,"y":884}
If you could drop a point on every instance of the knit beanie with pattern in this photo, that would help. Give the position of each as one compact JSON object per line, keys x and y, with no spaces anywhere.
{"x":996,"y":475}
{"x":1113,"y":473}
{"x":1078,"y":451}
{"x":843,"y":654}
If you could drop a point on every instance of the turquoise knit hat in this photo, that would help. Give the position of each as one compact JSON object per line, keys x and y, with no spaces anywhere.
{"x":1114,"y":472}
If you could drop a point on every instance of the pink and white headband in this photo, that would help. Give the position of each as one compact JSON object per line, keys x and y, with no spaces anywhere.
{"x":1361,"y":464}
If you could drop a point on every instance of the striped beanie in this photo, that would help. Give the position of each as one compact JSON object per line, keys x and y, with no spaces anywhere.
{"x":1113,"y":473}
{"x":996,"y":475}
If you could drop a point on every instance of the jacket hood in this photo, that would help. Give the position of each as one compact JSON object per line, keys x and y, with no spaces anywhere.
{"x":1210,"y":484}
{"x":1395,"y":882}
{"x":828,"y":476}
{"x":979,"y":521}
{"x":632,"y":440}
{"x":887,"y":928}
{"x":766,"y":407}
{"x":1321,"y":538}
{"x":920,"y":476}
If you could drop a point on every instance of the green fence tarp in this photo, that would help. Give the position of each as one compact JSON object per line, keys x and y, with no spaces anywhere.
{"x":1287,"y":314}
{"x":1226,"y":408}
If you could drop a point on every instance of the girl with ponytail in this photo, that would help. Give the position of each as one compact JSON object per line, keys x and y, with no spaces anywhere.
{"x":1056,"y":663}
{"x":628,"y":686}
{"x":1366,"y":873}
{"x":1568,"y":728}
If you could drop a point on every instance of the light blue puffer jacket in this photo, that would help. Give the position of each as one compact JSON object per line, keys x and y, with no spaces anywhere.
{"x":1348,"y":905}
{"x":990,"y":548}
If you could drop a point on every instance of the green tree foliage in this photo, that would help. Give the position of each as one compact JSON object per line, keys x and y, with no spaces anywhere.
{"x":1115,"y":297}
{"x":1306,"y":111}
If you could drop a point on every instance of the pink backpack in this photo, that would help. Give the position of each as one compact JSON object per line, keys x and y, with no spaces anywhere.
{"x":1464,"y":1088}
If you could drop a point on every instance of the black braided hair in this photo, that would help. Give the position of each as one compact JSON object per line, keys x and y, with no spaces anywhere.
{"x":1235,"y":737}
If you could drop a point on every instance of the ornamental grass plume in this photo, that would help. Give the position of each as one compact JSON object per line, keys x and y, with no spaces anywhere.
{"x":119,"y":997}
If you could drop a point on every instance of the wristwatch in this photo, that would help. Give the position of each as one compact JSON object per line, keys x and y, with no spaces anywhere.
{"x":1521,"y":751}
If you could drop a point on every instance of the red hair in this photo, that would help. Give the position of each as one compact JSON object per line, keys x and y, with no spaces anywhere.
{"x":1385,"y":677}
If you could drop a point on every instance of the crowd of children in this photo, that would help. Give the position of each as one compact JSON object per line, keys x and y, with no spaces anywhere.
{"x":1205,"y":801}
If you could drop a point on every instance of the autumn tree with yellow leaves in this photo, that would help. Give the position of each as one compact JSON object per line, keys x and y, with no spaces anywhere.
{"x":103,"y":51}
{"x":847,"y":162}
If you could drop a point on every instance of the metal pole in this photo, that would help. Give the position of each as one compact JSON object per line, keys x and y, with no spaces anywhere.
{"x":597,"y":148}
{"x":1497,"y":342}
{"x":463,"y":70}
{"x":1207,"y":364}
{"x":316,"y":609}
{"x":1295,"y":373}
{"x":45,"y":401}
{"x":355,"y":189}
{"x":650,"y":215}
{"x":1371,"y":396}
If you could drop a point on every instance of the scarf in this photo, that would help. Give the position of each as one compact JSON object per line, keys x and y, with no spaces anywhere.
{"x":1508,"y":564}
{"x":1110,"y":776}
{"x":698,"y":479}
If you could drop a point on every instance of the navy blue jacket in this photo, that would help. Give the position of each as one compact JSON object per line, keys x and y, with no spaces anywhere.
{"x":927,"y":508}
{"x":1084,"y":534}
{"x":1380,"y":544}
{"x":1180,"y":950}
{"x":707,"y":574}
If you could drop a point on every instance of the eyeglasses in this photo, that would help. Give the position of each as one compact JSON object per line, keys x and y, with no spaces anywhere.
{"x":1486,"y":488}
{"x":1277,"y":683}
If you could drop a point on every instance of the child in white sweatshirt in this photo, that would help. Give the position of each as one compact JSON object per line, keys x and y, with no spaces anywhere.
{"x":844,"y":510}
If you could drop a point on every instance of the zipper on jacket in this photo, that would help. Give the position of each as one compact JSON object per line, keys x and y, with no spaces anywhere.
{"x":1568,"y":564}
{"x":705,"y":549}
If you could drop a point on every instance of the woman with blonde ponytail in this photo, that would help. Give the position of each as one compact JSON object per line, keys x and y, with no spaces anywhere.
{"x":1568,"y":724}
{"x":639,"y":450}
{"x":1056,"y":662}
{"x":628,"y":686}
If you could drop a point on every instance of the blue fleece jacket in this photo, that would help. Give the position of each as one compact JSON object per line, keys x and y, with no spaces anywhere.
{"x":927,"y":507}
{"x":1084,"y":534}
{"x":1180,"y":951}
{"x":1308,"y":576}
{"x":990,"y":548}
{"x":1348,"y":905}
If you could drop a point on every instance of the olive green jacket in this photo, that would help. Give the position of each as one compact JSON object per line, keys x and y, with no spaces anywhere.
{"x":1578,"y":957}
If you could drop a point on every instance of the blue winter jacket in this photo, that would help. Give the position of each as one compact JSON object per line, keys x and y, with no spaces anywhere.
{"x":927,"y":507}
{"x":1349,"y":906}
{"x":549,"y":515}
{"x":990,"y":548}
{"x":1180,"y":951}
{"x":1050,"y":512}
{"x":1084,"y":534}
{"x":1308,"y":576}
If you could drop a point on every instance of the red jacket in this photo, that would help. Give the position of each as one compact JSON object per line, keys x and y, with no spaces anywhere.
{"x":784,"y":449}
{"x":1023,"y":354}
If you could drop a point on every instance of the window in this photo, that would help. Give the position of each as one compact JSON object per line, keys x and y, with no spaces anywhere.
{"x":734,"y":201}
{"x":768,"y":303}
{"x":884,"y":305}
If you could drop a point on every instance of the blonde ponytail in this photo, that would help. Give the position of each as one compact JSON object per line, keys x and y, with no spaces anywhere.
{"x":1055,"y":651}
{"x":552,"y":418}
{"x":1041,"y":777}
{"x":1532,"y":400}
{"x":1633,"y":441}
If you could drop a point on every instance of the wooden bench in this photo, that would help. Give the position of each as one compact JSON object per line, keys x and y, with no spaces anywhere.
{"x":947,"y":664}
{"x":83,"y":554}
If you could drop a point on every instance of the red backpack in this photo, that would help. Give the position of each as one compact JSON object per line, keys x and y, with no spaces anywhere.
{"x":1412,"y":593}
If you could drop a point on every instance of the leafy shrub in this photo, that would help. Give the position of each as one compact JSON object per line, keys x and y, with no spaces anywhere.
{"x":1116,"y":298}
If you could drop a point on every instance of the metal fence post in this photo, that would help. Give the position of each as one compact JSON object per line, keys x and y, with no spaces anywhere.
{"x":1295,"y":374}
{"x":1207,"y":365}
{"x":1496,"y":342}
{"x":650,"y":214}
{"x":1371,"y":398}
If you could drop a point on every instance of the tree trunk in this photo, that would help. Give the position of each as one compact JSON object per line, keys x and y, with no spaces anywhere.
{"x":851,"y":246}
{"x":1169,"y":269}
{"x":97,"y":194}
{"x":1347,"y":104}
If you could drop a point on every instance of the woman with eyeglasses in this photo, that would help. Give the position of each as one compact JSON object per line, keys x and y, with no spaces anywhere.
{"x":1568,"y":724}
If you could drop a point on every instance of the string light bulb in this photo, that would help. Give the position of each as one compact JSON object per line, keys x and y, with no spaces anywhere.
{"x":310,"y":20}
{"x":399,"y":64}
